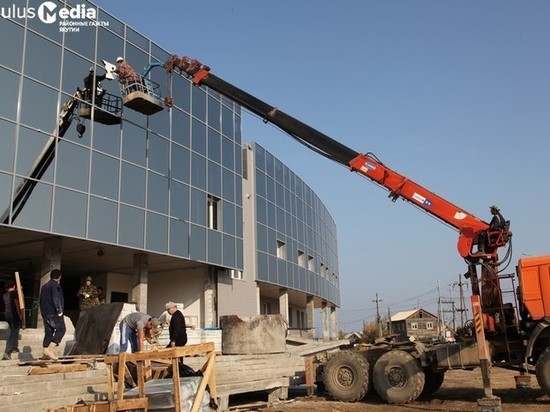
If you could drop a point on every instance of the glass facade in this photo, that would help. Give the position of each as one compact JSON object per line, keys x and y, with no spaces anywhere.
{"x":296,"y":235}
{"x":168,"y":183}
{"x":144,"y":183}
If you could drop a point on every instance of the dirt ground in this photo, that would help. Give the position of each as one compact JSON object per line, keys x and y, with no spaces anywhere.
{"x":459,"y":393}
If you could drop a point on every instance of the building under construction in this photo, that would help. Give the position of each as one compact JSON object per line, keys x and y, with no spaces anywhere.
{"x":148,"y":187}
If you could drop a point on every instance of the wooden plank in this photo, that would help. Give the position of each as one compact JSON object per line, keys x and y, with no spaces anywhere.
{"x":121,"y":375}
{"x":60,"y":361}
{"x":21,"y":299}
{"x":141,"y":379}
{"x":131,"y":404}
{"x":182,"y":351}
{"x":207,"y":371}
{"x":110,"y":382}
{"x":176,"y":381}
{"x":56,"y":369}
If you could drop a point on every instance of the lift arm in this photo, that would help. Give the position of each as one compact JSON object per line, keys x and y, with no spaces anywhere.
{"x":43,"y":160}
{"x":368,"y":165}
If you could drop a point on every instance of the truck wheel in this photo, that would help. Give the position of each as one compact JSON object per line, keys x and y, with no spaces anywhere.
{"x":543,"y":371}
{"x":432,"y":382}
{"x":398,"y":377}
{"x":347,"y":376}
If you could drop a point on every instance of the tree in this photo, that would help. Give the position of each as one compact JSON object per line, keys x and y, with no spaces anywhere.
{"x":370,"y":332}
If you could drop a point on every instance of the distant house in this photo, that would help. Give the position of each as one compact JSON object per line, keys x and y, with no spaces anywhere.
{"x":419,"y":323}
{"x":353,"y":337}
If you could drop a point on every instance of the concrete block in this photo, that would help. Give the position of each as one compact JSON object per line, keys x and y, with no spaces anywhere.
{"x":257,"y":335}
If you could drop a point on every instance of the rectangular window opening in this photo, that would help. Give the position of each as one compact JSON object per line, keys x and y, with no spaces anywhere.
{"x":281,"y":249}
{"x":310,"y":263}
{"x":213,"y":212}
{"x":236,"y":274}
{"x":266,"y":308}
{"x":301,"y":258}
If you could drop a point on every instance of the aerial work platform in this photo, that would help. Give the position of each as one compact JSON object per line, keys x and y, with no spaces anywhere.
{"x":106,"y":110}
{"x":142,"y":96}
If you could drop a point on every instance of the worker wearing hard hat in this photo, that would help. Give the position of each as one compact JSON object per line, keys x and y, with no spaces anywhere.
{"x":91,"y":83}
{"x":126,"y":74}
{"x":497,"y":223}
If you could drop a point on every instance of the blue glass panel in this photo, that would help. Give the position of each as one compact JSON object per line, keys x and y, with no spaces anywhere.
{"x":228,"y":251}
{"x":102,"y":221}
{"x":157,"y":193}
{"x":157,"y":233}
{"x":197,"y":246}
{"x":179,"y":238}
{"x":7,"y":138}
{"x":69,"y":213}
{"x":131,"y":229}
{"x":9,"y":84}
{"x":214,"y":247}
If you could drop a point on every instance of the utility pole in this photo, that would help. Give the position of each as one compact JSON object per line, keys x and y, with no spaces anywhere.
{"x":439,"y":311}
{"x":462,"y":308}
{"x":378,"y":319}
{"x":389,"y":321}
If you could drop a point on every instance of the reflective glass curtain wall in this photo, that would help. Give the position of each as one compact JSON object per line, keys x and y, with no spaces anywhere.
{"x":144,"y":183}
{"x":296,"y":235}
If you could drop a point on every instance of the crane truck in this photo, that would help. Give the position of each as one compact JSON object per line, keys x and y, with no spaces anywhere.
{"x":506,"y":334}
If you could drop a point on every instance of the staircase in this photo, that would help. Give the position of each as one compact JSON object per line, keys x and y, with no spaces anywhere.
{"x":22,"y":392}
{"x":30,"y":341}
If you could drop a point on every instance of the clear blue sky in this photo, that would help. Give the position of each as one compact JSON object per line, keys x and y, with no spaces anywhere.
{"x":453,"y":94}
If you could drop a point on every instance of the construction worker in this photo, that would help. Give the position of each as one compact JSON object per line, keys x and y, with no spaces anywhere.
{"x":127,"y":75}
{"x":91,"y":82}
{"x":497,"y":223}
{"x":177,"y":328}
{"x":135,"y":328}
{"x":13,"y":316}
{"x":52,"y":305}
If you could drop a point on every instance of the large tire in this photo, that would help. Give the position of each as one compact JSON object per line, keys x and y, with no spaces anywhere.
{"x":347,"y":376}
{"x":398,"y":377}
{"x":543,"y":371}
{"x":432,"y":382}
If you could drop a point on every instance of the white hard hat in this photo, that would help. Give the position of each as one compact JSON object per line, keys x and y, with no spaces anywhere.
{"x":119,"y":59}
{"x":92,"y":69}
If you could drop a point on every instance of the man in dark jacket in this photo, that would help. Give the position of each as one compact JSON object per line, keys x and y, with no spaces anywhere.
{"x":13,"y":317}
{"x":51,"y":308}
{"x":177,"y":328}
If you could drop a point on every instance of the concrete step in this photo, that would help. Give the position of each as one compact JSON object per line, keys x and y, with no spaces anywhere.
{"x":30,"y":343}
{"x":18,"y":383}
{"x":41,"y":405}
{"x":22,"y":392}
{"x":54,"y":390}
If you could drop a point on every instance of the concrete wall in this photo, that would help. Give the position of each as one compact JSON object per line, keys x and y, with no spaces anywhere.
{"x":116,"y":282}
{"x":182,"y":286}
{"x":235,"y":296}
